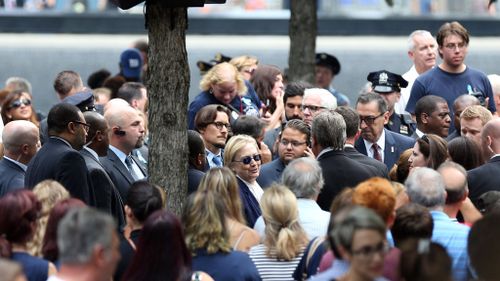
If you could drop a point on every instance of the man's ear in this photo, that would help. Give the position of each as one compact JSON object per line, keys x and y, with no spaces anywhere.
{"x":386,"y":117}
{"x":98,"y":135}
{"x":423,"y":118}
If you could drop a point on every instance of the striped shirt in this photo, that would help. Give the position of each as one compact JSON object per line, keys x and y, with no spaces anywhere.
{"x":271,"y":268}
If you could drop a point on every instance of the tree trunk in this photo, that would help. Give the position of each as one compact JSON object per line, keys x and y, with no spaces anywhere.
{"x":302,"y":29}
{"x":168,"y":87}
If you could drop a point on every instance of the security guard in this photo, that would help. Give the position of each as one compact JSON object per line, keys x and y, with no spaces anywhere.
{"x":327,"y":67}
{"x":388,"y":85}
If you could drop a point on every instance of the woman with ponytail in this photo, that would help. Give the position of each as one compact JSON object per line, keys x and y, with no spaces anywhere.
{"x":284,"y":240}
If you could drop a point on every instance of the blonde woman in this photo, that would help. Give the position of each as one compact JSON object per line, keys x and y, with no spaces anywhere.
{"x":223,"y":183}
{"x":284,"y":240}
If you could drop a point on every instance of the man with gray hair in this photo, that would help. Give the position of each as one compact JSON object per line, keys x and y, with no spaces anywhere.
{"x":303,"y":177}
{"x":328,"y":133}
{"x":315,"y":101}
{"x":426,"y":187}
{"x":88,"y":246}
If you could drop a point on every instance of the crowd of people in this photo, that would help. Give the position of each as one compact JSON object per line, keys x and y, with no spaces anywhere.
{"x":287,"y":180}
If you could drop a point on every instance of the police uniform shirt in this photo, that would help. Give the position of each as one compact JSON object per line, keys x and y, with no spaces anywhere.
{"x":400,"y":124}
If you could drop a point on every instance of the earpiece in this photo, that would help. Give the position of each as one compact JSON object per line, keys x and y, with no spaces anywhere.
{"x":119,"y":132}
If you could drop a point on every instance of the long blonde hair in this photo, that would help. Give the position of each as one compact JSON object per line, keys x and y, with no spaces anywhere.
{"x":284,"y":236}
{"x":223,"y":72}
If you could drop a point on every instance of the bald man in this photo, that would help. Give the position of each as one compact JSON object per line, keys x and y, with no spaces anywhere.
{"x":21,"y":142}
{"x":126,"y":133}
{"x":459,"y":105}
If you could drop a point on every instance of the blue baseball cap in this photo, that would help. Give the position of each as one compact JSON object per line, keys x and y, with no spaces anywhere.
{"x":131,"y":63}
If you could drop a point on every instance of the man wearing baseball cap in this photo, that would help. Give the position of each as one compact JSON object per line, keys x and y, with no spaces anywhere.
{"x":131,"y":65}
{"x":327,"y":67}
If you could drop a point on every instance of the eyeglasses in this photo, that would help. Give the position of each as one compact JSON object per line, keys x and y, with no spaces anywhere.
{"x":312,"y":108}
{"x":219,"y":125}
{"x":452,"y":46}
{"x":248,"y":159}
{"x":86,"y":126}
{"x":293,"y":143}
{"x":369,"y":251}
{"x":18,"y":103}
{"x":369,"y":120}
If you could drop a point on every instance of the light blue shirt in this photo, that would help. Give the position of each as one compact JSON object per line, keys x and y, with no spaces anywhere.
{"x":210,"y":157}
{"x":122,"y":156}
{"x":338,"y":269}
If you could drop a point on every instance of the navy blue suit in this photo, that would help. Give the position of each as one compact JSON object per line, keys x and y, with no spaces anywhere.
{"x":194,"y":178}
{"x":251,"y":208}
{"x":11,"y":176}
{"x":58,"y":161}
{"x":271,"y":172}
{"x":395,"y":144}
{"x":484,"y":178}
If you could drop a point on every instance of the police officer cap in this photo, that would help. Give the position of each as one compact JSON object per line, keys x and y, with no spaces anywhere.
{"x":83,"y":100}
{"x":220,"y":58}
{"x":324,"y":59}
{"x":384,"y":81}
{"x":204,"y":66}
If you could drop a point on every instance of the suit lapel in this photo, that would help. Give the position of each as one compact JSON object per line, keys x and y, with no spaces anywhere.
{"x":120,"y":166}
{"x":390,"y":150}
{"x":140,"y":165}
{"x":359,"y":145}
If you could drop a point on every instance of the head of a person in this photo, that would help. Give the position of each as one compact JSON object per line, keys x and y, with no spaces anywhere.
{"x":328,"y":130}
{"x":327,"y":67}
{"x":351,"y":119}
{"x":422,"y":49}
{"x":97,"y":78}
{"x":224,"y":82}
{"x":315,"y":101}
{"x":453,"y":40}
{"x":156,"y":258}
{"x":412,"y":221}
{"x":204,"y":223}
{"x":60,"y":209}
{"x":87,"y":237}
{"x":388,"y":85}
{"x":143,"y":47}
{"x":19,"y":211}
{"x":472,"y":121}
{"x":18,"y":84}
{"x":222,"y":182}
{"x":267,"y":81}
{"x":246,"y":65}
{"x":241,"y":155}
{"x":98,"y":134}
{"x":429,"y":151}
{"x":459,"y":105}
{"x":376,"y":194}
{"x":294,"y":93}
{"x":18,"y":105}
{"x":465,"y":152}
{"x":495,"y":86}
{"x":399,"y":172}
{"x":455,"y":180}
{"x":143,"y":198}
{"x":483,"y":250}
{"x":249,"y":125}
{"x":489,"y":202}
{"x":135,"y":94}
{"x":196,"y":149}
{"x":360,"y":239}
{"x":66,"y":121}
{"x":294,"y":140}
{"x":426,"y":187}
{"x":373,"y":115}
{"x":126,"y":128}
{"x":131,"y":63}
{"x":490,"y":138}
{"x":433,"y":115}
{"x":212,"y":122}
{"x":21,"y":140}
{"x":422,"y":259}
{"x":284,"y":236}
{"x":66,"y":83}
{"x":101,"y":96}
{"x":114,"y":83}
{"x":303,"y":177}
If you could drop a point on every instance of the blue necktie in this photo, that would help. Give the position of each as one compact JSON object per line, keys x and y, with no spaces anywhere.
{"x":130,"y":167}
{"x":217,"y":160}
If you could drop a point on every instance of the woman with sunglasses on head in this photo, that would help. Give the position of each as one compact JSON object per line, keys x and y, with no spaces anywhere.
{"x":429,"y":151}
{"x":241,"y":155}
{"x":18,"y":106}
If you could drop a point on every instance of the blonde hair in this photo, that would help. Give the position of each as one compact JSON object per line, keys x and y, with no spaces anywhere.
{"x":284,"y":236}
{"x":243,"y":61}
{"x":234,"y":145}
{"x":205,"y":224}
{"x":477,"y":111}
{"x":223,"y":72}
{"x":48,"y":192}
{"x":222,"y":182}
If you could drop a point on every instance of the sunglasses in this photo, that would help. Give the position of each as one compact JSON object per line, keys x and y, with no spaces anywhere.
{"x":18,"y":103}
{"x":248,"y":159}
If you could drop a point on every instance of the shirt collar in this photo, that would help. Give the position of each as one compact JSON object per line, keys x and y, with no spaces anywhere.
{"x":24,"y":167}
{"x":380,"y":142}
{"x":122,"y":156}
{"x":91,"y":151}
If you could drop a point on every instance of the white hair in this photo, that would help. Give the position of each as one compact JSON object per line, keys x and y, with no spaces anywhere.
{"x":327,"y":99}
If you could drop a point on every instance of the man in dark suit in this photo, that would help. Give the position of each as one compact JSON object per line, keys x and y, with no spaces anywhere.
{"x":351,"y":119}
{"x":21,"y":142}
{"x":339,"y":172}
{"x":106,"y":195}
{"x":377,"y":142}
{"x":196,"y":160}
{"x":487,"y":176}
{"x":125,"y":134}
{"x":59,"y":159}
{"x":294,"y":143}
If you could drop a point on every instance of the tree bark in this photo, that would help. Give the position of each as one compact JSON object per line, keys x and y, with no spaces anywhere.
{"x":168,"y":87}
{"x":302,"y":30}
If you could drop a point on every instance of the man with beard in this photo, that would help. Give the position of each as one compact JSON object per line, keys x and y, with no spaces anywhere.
{"x":212,"y":122}
{"x":59,"y":158}
{"x":126,"y":132}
